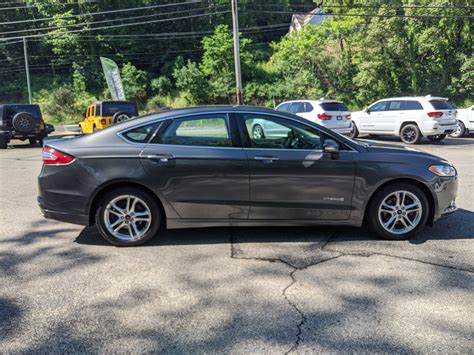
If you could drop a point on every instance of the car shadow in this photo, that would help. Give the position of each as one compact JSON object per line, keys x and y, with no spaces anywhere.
{"x":457,"y":227}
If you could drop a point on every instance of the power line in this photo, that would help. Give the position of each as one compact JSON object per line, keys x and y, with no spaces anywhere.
{"x":102,"y":12}
{"x":115,"y":26}
{"x":32,"y":6}
{"x":359,"y":15}
{"x":97,"y":22}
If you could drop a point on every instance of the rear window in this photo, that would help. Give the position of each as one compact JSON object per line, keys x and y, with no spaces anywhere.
{"x":334,"y":106}
{"x":12,"y":110}
{"x":441,"y":105}
{"x":109,"y":108}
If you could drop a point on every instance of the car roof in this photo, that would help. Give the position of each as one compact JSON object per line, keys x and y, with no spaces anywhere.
{"x":114,"y":101}
{"x":428,"y":97}
{"x":18,"y":105}
{"x":319,"y":101}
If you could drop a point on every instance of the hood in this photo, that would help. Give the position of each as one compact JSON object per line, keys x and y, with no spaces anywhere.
{"x":375,"y":147}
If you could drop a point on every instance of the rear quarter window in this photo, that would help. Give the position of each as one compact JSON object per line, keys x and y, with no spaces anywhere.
{"x":140,"y":134}
{"x":441,"y":105}
{"x":413,"y":105}
{"x":333,"y":106}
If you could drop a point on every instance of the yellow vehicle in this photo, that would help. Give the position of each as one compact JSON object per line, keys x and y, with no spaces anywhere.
{"x":102,"y":114}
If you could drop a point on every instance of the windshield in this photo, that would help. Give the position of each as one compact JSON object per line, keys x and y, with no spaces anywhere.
{"x":109,"y":108}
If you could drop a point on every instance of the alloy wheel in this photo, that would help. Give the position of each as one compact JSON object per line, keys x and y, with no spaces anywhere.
{"x":409,"y":134}
{"x":127,"y":217}
{"x":257,"y":132}
{"x":400,"y":212}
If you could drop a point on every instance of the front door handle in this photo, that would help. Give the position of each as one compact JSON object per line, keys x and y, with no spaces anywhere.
{"x":163,"y":158}
{"x":267,"y":159}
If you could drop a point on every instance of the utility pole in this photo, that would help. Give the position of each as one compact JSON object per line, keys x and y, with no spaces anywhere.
{"x":27,"y":69}
{"x":238,"y":74}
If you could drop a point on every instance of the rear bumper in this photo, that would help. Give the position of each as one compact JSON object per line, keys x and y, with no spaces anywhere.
{"x":434,"y":128}
{"x":62,"y":216}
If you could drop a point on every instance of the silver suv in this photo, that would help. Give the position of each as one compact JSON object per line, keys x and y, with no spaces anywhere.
{"x":331,"y":114}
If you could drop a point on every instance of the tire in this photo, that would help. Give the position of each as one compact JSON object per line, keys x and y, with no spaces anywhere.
{"x":127,"y":235}
{"x":459,"y":131}
{"x":354,"y":132}
{"x":41,"y":140}
{"x":3,"y":142}
{"x":32,"y":141}
{"x":378,"y":213}
{"x":437,"y":138}
{"x":410,"y":134}
{"x":23,"y":122}
{"x":258,"y":132}
{"x":120,"y":117}
{"x":94,"y":129}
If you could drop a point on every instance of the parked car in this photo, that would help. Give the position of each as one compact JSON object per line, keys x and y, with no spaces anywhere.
{"x":465,"y":122}
{"x":331,"y":114}
{"x":202,"y":167}
{"x":22,"y":121}
{"x":409,"y":118}
{"x":102,"y":114}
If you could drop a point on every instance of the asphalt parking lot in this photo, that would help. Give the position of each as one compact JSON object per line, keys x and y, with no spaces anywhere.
{"x":233,"y":289}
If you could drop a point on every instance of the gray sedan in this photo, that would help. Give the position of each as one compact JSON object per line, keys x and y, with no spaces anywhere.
{"x":203,"y":167}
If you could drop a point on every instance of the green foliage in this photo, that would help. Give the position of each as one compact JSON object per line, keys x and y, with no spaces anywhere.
{"x":162,"y":85}
{"x":135,"y":83}
{"x":191,"y":81}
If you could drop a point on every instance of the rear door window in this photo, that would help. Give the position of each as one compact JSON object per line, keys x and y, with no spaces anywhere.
{"x":441,"y":105}
{"x":395,"y":105}
{"x":297,"y":107}
{"x":413,"y":105}
{"x":202,"y":130}
{"x":333,"y":106}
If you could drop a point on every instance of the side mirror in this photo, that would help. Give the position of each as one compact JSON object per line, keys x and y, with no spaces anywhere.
{"x":332,"y":147}
{"x":472,"y":108}
{"x":83,"y":115}
{"x":366,"y":110}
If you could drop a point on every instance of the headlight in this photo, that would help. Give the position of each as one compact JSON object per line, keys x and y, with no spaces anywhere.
{"x":443,"y":170}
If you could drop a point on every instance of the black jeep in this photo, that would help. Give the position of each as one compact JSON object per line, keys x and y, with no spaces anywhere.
{"x":22,"y":121}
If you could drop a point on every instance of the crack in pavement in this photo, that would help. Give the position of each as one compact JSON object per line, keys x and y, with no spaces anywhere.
{"x":369,"y":254}
{"x":237,"y":253}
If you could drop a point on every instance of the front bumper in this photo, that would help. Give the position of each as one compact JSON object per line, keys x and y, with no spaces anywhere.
{"x":446,"y":189}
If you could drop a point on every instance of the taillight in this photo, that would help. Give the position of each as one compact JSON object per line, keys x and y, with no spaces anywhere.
{"x":103,"y":121}
{"x":323,"y":116}
{"x":435,"y":114}
{"x":53,"y":157}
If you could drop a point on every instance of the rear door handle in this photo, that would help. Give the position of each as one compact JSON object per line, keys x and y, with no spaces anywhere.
{"x":267,"y":159}
{"x":163,"y":158}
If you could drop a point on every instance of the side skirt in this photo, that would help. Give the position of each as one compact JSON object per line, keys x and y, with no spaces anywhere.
{"x":204,"y":223}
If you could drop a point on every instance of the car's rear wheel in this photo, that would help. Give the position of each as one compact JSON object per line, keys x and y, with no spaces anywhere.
{"x":257,"y":132}
{"x":398,"y":211}
{"x":459,"y":131}
{"x":32,"y":141}
{"x":354,"y":131}
{"x":437,"y":138}
{"x":410,"y":134}
{"x":128,"y":217}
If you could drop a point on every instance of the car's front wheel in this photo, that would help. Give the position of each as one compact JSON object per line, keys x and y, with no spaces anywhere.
{"x":459,"y":131}
{"x":398,"y":211}
{"x":128,"y":217}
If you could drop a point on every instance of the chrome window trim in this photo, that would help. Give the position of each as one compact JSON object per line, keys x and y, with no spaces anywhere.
{"x":227,"y":112}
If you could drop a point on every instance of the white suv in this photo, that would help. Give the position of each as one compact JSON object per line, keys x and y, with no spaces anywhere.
{"x":465,"y":122}
{"x":410,"y":118}
{"x":331,"y":114}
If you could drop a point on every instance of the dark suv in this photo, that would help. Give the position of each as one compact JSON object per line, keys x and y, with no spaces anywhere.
{"x":22,"y":121}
